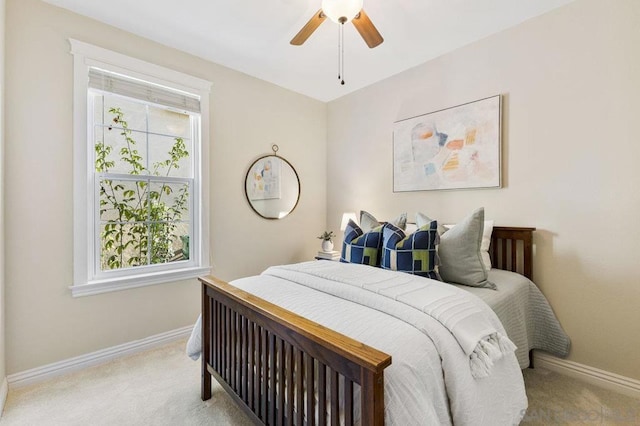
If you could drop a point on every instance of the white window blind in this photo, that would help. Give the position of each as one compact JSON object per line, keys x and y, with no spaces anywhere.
{"x":126,"y":86}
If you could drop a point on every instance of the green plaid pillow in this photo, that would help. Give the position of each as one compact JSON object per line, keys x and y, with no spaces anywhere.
{"x":361,"y":247}
{"x":414,"y":254}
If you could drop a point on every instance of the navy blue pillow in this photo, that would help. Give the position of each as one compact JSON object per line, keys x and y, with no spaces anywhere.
{"x":361,"y":247}
{"x":414,"y":254}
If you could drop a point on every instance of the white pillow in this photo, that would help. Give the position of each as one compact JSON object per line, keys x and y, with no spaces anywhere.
{"x":486,"y":242}
{"x":368,"y":221}
{"x":411,"y":228}
{"x":422,"y":220}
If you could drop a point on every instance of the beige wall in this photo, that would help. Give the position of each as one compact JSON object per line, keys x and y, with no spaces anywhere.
{"x":44,"y":323}
{"x":571,"y":84}
{"x":2,"y":304}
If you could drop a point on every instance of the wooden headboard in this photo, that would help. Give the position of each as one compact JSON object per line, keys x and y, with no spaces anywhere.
{"x":511,"y":249}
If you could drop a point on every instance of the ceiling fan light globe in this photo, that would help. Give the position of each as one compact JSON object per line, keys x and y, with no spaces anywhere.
{"x":345,"y":9}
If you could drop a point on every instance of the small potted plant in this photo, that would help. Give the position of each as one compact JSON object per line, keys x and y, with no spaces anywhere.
{"x":327,"y":244}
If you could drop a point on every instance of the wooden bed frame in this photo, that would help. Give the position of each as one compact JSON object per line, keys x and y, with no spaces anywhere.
{"x":253,"y":347}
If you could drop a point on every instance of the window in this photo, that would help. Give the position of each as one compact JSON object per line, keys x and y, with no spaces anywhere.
{"x":140,"y":134}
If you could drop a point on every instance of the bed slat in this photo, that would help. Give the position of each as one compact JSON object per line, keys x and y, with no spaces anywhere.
{"x":290,"y":383}
{"x":322,"y":394}
{"x":251,"y":366}
{"x":264,"y":374}
{"x":335,"y":411}
{"x":281,"y":383}
{"x":348,"y":399}
{"x":272,"y":374}
{"x":309,"y":364}
{"x":298,"y":372}
{"x":258,"y":368}
{"x":244,"y":360}
{"x":220,"y":342}
{"x":234,"y":347}
{"x":227,"y":344}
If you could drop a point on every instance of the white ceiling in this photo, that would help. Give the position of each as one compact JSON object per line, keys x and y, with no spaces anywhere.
{"x":253,"y":36}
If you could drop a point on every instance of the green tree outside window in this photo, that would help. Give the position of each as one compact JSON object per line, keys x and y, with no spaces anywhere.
{"x":141,"y":218}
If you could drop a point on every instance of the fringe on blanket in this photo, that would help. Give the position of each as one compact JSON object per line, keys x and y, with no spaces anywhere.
{"x":489,"y":350}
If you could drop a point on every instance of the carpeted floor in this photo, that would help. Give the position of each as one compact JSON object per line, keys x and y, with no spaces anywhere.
{"x":156,"y":387}
{"x":557,"y":399}
{"x":162,"y":387}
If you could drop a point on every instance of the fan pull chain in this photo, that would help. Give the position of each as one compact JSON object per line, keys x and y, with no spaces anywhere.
{"x":339,"y":56}
{"x":342,"y":52}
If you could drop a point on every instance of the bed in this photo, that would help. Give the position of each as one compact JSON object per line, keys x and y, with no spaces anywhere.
{"x":282,"y":367}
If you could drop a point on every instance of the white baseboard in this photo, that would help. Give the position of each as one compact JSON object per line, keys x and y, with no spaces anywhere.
{"x":48,"y":371}
{"x":4,"y":391}
{"x":595,"y":376}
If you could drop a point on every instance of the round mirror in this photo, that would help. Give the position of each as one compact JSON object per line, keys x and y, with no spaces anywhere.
{"x":272,"y":187}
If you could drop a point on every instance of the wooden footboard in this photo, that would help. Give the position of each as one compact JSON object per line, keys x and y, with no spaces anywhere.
{"x":268,"y":359}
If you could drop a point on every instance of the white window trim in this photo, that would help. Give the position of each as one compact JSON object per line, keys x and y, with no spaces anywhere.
{"x":84,"y":56}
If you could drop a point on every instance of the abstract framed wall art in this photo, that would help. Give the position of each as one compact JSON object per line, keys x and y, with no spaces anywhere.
{"x":453,"y":148}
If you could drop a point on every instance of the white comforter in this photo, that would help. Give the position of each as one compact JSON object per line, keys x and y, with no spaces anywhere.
{"x":429,"y":381}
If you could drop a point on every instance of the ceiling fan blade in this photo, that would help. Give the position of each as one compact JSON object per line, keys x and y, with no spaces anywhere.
{"x":308,"y":28}
{"x":367,"y":30}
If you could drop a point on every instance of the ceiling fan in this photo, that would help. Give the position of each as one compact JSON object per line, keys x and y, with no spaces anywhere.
{"x":341,"y":12}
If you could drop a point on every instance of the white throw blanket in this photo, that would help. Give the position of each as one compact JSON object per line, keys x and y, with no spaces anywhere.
{"x":458,"y":311}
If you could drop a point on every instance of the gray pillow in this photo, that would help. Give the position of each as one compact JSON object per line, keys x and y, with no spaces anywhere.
{"x":459,"y":252}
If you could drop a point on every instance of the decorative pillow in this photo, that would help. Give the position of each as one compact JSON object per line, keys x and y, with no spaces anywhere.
{"x":361,"y":247}
{"x":368,"y":221}
{"x":422,"y":220}
{"x":459,"y":252}
{"x":486,"y":242}
{"x":415,"y":254}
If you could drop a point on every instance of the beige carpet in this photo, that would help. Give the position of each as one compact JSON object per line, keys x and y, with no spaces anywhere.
{"x":156,"y":387}
{"x":162,"y":387}
{"x":557,"y":399}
